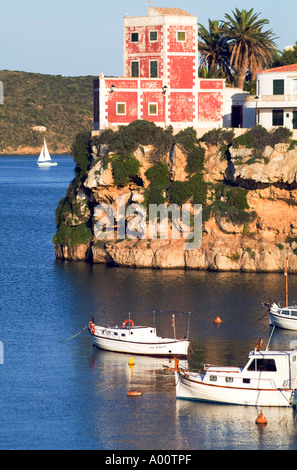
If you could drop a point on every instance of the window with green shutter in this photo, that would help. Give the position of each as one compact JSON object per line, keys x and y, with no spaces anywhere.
{"x":153,"y":109}
{"x":153,"y":69}
{"x":278,"y":87}
{"x":153,"y":36}
{"x":277,"y":117}
{"x":181,"y":36}
{"x":135,"y":69}
{"x":121,"y":108}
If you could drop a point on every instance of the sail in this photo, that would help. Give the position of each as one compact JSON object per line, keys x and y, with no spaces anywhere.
{"x":41,"y":156}
{"x":47,"y":157}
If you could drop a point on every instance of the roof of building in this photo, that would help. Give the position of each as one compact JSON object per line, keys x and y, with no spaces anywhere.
{"x":154,"y":11}
{"x":283,"y":68}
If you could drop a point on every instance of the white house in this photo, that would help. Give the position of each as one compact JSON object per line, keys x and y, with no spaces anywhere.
{"x":277,"y":97}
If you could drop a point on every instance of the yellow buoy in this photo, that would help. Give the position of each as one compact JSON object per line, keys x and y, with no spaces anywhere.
{"x":131,"y":362}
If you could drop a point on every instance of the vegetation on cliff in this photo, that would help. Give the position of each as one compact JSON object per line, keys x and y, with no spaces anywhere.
{"x":61,"y":104}
{"x":225,"y":199}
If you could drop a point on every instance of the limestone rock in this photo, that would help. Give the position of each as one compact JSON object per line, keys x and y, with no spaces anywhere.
{"x":99,"y":176}
{"x":271,"y":167}
{"x":178,"y":163}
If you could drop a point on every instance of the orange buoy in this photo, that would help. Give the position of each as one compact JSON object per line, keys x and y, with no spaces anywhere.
{"x":218,"y":320}
{"x":261,"y":419}
{"x":134,"y":393}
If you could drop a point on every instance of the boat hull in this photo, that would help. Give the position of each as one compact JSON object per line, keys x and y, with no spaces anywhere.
{"x":187,"y":389}
{"x":281,"y":321}
{"x":47,"y":164}
{"x":174,"y":348}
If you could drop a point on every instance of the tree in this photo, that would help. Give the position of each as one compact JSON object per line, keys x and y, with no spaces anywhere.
{"x":251,"y":47}
{"x":287,"y":57}
{"x":214,"y":50}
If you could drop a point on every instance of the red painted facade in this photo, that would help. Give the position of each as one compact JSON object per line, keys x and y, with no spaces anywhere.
{"x":160,"y":82}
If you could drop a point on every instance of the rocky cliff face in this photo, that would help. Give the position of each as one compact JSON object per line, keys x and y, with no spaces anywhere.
{"x":259,"y":241}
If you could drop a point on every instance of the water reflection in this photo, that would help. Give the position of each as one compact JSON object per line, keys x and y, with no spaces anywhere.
{"x":234,"y":427}
{"x":156,"y":420}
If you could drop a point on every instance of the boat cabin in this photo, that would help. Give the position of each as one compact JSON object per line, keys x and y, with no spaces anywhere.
{"x":276,"y":369}
{"x":133,"y":333}
{"x":288,"y":311}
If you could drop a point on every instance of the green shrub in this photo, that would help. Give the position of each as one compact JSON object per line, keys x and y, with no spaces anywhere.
{"x":236,"y":197}
{"x":124,"y":169}
{"x":179,"y":192}
{"x":73,"y":236}
{"x":187,"y":138}
{"x":219,"y":137}
{"x":81,"y":151}
{"x":293,"y":144}
{"x":258,"y":138}
{"x":251,"y":252}
{"x":195,"y":160}
{"x":154,"y":195}
{"x":140,"y":132}
{"x":198,"y":189}
{"x":158,"y":174}
{"x":254,"y":138}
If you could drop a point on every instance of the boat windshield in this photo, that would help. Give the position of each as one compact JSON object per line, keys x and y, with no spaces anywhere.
{"x":262,"y":365}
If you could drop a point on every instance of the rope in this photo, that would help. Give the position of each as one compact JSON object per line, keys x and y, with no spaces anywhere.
{"x":68,"y":339}
{"x":260,"y":318}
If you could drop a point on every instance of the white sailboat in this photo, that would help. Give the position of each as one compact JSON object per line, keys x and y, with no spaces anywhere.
{"x":283,"y":317}
{"x":44,"y":159}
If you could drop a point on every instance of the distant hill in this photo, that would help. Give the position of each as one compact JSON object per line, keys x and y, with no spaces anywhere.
{"x":64,"y":105}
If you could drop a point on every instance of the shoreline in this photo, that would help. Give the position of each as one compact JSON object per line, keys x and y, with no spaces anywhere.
{"x":31,"y":154}
{"x":32,"y":151}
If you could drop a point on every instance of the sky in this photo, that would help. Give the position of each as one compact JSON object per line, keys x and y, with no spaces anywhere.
{"x":80,"y":38}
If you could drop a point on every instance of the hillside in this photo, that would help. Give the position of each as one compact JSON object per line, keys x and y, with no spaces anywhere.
{"x":64,"y":105}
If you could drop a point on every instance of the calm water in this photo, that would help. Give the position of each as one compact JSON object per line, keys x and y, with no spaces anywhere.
{"x":57,"y":394}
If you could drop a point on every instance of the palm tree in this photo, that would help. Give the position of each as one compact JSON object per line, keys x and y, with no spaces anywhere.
{"x":251,"y":47}
{"x":214,"y":50}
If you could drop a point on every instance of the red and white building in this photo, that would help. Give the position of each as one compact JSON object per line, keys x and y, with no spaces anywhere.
{"x":160,"y":81}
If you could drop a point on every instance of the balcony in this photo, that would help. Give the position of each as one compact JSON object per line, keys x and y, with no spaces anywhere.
{"x":272,"y":101}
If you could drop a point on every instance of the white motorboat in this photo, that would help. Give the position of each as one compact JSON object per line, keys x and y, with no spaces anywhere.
{"x":132,"y":339}
{"x":283,"y":317}
{"x":44,"y":159}
{"x":268,"y":379}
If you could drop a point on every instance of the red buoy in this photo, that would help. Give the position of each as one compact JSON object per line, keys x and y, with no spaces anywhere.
{"x":218,"y":321}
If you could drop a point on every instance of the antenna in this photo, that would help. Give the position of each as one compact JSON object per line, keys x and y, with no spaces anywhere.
{"x":149,"y":3}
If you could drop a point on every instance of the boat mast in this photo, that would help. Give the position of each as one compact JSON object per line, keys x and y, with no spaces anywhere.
{"x":286,"y":274}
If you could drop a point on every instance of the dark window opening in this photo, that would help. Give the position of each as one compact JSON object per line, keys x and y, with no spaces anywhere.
{"x":277,"y":117}
{"x":134,"y":37}
{"x":263,"y":365}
